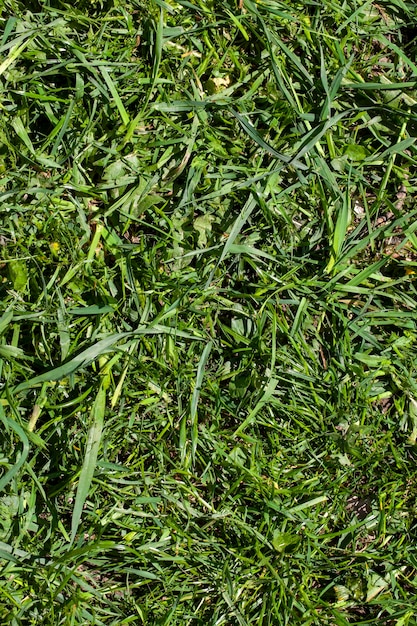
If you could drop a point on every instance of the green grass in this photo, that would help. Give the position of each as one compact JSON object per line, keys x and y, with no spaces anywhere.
{"x":208,"y":313}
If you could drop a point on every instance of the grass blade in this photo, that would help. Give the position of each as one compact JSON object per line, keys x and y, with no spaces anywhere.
{"x":21,"y":457}
{"x":264,"y":399}
{"x":90,"y":354}
{"x":195,"y":397}
{"x":90,"y":456}
{"x":236,"y":229}
{"x":112,"y":88}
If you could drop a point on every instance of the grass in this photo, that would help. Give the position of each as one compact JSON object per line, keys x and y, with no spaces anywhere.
{"x":208,"y":313}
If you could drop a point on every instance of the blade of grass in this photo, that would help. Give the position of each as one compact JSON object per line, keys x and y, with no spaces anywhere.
{"x":195,"y":398}
{"x":339,"y":233}
{"x":157,"y":54}
{"x":407,"y":61}
{"x":98,"y":349}
{"x":14,"y":54}
{"x":91,"y":451}
{"x":236,"y":229}
{"x":113,"y":90}
{"x":255,"y":136}
{"x":21,"y":456}
{"x":22,"y":133}
{"x":263,"y":401}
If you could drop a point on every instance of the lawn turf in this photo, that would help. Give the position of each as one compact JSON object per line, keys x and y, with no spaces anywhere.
{"x":208,"y":313}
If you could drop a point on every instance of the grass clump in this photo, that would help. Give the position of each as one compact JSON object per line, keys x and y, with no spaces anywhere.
{"x":207,"y":325}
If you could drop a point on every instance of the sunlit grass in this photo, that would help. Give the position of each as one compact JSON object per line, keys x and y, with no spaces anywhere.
{"x":207,"y":324}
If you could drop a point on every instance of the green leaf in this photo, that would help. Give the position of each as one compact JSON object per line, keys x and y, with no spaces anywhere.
{"x":90,"y":455}
{"x":21,"y":456}
{"x":18,"y":273}
{"x":5,"y":320}
{"x":11,"y":352}
{"x":196,"y":395}
{"x":355,"y":152}
{"x":282,"y":540}
{"x":203,"y":226}
{"x":113,"y":90}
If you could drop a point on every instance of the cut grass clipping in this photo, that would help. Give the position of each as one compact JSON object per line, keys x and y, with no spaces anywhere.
{"x":208,"y":313}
